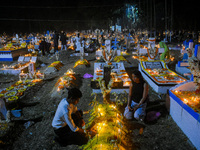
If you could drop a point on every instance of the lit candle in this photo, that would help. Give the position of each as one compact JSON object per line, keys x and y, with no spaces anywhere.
{"x":185,"y":100}
{"x":116,"y":80}
{"x":127,"y":83}
{"x":100,"y":146}
{"x":119,"y":131}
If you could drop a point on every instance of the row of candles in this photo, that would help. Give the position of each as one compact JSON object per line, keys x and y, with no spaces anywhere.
{"x":117,"y":77}
{"x":103,"y":127}
{"x":24,"y":76}
{"x":190,"y":98}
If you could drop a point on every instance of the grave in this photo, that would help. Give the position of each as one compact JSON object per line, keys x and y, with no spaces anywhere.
{"x":156,"y":72}
{"x":21,"y":65}
{"x":10,"y":55}
{"x":182,"y":67}
{"x":121,"y":80}
{"x":158,"y":75}
{"x":184,"y":113}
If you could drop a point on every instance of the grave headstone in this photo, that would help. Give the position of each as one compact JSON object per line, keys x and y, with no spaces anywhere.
{"x":21,"y":59}
{"x":152,"y":65}
{"x":27,"y":59}
{"x":31,"y":69}
{"x":34,"y":59}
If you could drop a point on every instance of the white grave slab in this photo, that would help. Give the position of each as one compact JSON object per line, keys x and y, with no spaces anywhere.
{"x":116,"y":67}
{"x":157,"y":86}
{"x":184,"y":116}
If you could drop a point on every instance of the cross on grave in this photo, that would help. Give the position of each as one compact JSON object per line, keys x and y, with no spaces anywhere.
{"x":108,"y":45}
{"x":81,"y":54}
{"x":187,"y":45}
{"x":115,"y":42}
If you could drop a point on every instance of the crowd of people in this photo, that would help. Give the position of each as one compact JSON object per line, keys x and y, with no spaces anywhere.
{"x":89,"y":40}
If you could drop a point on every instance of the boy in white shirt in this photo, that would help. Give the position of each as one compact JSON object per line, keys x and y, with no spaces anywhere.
{"x":68,"y":121}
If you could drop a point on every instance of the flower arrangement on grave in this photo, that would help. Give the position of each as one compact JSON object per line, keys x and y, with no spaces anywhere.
{"x":39,"y":75}
{"x":71,"y":47}
{"x":105,"y":90}
{"x":66,"y":81}
{"x":16,"y":90}
{"x":119,"y":58}
{"x":31,"y":46}
{"x":57,"y":65}
{"x":108,"y":55}
{"x":152,"y":52}
{"x":140,"y":58}
{"x":23,"y":76}
{"x":23,"y":45}
{"x":124,"y":53}
{"x":81,"y":62}
{"x":194,"y":66}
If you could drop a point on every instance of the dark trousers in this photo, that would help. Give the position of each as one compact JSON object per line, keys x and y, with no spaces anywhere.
{"x":55,"y":48}
{"x":67,"y":136}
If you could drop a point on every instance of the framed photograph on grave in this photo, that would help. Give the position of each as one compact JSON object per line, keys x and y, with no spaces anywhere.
{"x":27,"y":59}
{"x":152,"y":65}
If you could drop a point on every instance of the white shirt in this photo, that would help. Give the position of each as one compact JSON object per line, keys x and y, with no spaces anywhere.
{"x":63,"y":116}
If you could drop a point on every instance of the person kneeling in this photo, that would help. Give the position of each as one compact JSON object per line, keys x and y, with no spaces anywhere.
{"x":68,"y":122}
{"x":138,"y":98}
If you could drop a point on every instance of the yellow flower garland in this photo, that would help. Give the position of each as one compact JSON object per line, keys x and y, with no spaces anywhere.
{"x":9,"y":88}
{"x":22,"y":90}
{"x":13,"y":98}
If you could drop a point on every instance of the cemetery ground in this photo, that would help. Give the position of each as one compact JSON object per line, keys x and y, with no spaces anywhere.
{"x":162,"y":134}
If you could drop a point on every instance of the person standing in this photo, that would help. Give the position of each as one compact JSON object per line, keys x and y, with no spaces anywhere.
{"x":63,"y":40}
{"x":55,"y":39}
{"x":78,"y":43}
{"x":43,"y":46}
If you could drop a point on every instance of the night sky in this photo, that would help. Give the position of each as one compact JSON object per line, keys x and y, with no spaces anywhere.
{"x":38,"y":16}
